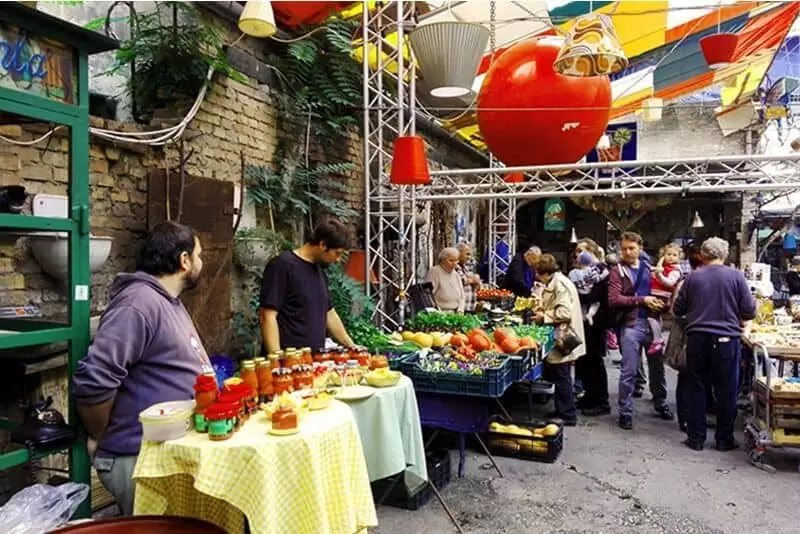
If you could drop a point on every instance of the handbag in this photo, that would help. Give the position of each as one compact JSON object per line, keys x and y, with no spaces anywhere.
{"x":675,"y":352}
{"x":566,"y":339}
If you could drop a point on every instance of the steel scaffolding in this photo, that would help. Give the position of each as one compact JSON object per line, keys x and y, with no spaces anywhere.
{"x":390,"y":101}
{"x":389,"y":112}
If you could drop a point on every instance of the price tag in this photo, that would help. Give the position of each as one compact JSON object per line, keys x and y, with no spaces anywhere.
{"x":81,"y":293}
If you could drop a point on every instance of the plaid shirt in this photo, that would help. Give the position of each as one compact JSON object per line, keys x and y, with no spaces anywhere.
{"x":470,"y":299}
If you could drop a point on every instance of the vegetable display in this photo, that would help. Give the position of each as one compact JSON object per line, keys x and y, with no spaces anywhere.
{"x":445,"y":322}
{"x":451,"y":361}
{"x":539,"y":333}
{"x":366,"y":334}
{"x":493,"y":293}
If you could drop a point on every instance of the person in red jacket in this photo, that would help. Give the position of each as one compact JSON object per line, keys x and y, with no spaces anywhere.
{"x":666,"y":275}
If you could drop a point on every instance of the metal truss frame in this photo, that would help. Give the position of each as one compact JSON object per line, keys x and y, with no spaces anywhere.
{"x":391,"y":233}
{"x":389,"y":111}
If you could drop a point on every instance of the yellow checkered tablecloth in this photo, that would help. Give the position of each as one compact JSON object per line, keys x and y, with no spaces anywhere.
{"x":313,"y":482}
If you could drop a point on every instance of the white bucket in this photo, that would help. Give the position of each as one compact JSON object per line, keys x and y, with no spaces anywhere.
{"x":167,"y":420}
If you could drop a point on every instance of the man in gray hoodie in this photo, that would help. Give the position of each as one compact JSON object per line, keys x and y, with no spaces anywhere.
{"x":146,"y":351}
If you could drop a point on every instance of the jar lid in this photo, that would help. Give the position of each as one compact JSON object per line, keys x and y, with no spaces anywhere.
{"x":291,"y":349}
{"x":263,"y":364}
{"x":297,"y":368}
{"x":249,"y":365}
{"x":218,"y":411}
{"x":306,"y":349}
{"x":352,"y":363}
{"x":230,"y":398}
{"x":205,"y":383}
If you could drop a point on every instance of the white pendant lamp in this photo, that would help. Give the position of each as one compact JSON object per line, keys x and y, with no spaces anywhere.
{"x":697,"y":222}
{"x":449,"y":54}
{"x":574,"y":237}
{"x":257,"y":19}
{"x":652,"y":109}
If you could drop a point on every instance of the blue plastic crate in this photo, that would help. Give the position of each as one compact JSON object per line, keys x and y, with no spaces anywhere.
{"x":396,"y":359}
{"x":520,"y":364}
{"x":492,"y":383}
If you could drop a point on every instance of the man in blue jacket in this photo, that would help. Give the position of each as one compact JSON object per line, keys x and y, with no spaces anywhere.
{"x":521,"y":274}
{"x":716,"y":301}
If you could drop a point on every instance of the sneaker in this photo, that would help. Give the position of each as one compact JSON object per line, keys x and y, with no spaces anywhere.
{"x":693,"y":445}
{"x":638,"y":393}
{"x":569,"y":421}
{"x":655,"y":348}
{"x":725,"y":446}
{"x":665,"y":413}
{"x":683,"y":426}
{"x":625,"y":422}
{"x":594,"y":411}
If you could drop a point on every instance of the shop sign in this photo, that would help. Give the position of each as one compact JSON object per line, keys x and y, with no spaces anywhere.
{"x":555,"y":215}
{"x":620,"y":143}
{"x":36,"y":65}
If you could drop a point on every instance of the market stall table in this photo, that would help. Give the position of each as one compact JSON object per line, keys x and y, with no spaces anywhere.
{"x":311,"y":482}
{"x":391,"y":434}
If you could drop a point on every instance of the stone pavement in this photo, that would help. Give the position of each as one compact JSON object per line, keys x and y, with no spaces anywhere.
{"x":611,"y":481}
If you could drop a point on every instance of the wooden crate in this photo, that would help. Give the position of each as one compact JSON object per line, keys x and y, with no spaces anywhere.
{"x":761,"y":390}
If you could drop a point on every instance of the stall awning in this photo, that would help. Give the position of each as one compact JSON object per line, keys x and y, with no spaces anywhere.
{"x":660,"y":37}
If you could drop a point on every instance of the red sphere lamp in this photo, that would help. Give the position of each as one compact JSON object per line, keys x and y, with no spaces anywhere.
{"x":529,"y":114}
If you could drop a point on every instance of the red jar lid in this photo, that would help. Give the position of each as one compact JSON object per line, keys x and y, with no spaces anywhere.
{"x":230,"y":398}
{"x":205,"y":383}
{"x":218,"y":411}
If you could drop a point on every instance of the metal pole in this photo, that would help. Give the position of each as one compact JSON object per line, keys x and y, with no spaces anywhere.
{"x":367,"y":149}
{"x":401,"y":275}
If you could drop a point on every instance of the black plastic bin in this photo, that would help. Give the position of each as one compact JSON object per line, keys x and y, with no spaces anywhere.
{"x":438,"y":463}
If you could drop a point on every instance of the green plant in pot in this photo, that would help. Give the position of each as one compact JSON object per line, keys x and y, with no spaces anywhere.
{"x":254,"y":247}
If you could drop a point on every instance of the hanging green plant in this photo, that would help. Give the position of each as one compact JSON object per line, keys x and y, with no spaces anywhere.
{"x":170,"y":51}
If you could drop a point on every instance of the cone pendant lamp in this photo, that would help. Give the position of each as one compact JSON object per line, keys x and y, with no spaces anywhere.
{"x":719,"y":49}
{"x":409,"y":162}
{"x":591,"y":48}
{"x":449,"y":54}
{"x":257,"y":19}
{"x":697,"y":222}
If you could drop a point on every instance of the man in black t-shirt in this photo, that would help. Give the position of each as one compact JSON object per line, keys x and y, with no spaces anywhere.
{"x":296,"y":309}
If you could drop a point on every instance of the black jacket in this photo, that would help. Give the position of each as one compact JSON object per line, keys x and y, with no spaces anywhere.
{"x":515,"y":279}
{"x":793,"y":281}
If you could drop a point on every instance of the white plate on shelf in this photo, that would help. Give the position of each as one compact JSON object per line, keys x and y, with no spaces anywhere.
{"x":355,"y":393}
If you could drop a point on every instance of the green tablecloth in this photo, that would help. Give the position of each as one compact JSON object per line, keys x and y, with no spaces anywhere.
{"x":391,"y":434}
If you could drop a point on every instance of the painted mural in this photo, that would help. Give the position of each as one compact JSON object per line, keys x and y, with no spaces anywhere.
{"x":36,"y":65}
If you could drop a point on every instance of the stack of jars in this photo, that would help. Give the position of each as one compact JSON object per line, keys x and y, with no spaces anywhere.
{"x":205,"y":394}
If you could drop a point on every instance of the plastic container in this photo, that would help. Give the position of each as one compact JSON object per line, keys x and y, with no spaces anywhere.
{"x":392,"y":490}
{"x":540,"y":448}
{"x":142,"y":525}
{"x":492,"y":383}
{"x":167,"y":420}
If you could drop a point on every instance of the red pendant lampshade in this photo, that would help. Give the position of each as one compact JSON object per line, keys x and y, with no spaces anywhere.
{"x":356,"y":267}
{"x":514,"y":178}
{"x":719,"y":49}
{"x":409,"y":162}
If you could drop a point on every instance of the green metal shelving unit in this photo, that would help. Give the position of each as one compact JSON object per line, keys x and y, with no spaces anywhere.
{"x":44,"y":77}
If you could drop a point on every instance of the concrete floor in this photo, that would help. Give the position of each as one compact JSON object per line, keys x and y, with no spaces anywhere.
{"x":611,"y":481}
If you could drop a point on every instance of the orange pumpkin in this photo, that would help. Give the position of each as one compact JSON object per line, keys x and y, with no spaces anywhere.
{"x":509,"y":346}
{"x":527,"y":342}
{"x":501,"y":334}
{"x":459,"y":340}
{"x":479,"y":342}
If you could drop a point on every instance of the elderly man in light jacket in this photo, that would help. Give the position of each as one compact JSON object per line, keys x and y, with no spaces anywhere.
{"x":560,"y":305}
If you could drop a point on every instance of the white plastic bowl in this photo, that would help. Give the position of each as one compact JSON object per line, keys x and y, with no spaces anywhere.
{"x":167,"y":420}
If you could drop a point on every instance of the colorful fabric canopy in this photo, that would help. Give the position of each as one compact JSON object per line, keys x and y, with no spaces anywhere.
{"x":660,"y":37}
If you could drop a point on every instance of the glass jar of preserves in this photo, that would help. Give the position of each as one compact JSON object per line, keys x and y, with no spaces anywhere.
{"x":234,"y":400}
{"x":282,"y":381}
{"x":219,"y":424}
{"x":306,"y":356}
{"x":205,"y":390}
{"x":340,"y":356}
{"x":303,"y":377}
{"x":322,"y":355}
{"x":264,"y":374}
{"x":293,"y":358}
{"x":259,"y":360}
{"x":249,"y":376}
{"x":199,"y":421}
{"x":363,"y":357}
{"x":274,"y":360}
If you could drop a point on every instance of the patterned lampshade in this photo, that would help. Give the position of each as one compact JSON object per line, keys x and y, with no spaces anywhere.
{"x":591,"y":48}
{"x":449,"y":54}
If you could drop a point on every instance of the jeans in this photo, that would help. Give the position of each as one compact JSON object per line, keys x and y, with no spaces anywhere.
{"x":560,"y":374}
{"x":634,"y":340}
{"x":712,"y":359}
{"x":591,"y":368}
{"x":116,"y":474}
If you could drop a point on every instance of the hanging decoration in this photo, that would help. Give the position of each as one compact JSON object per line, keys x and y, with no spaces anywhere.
{"x":528,"y":114}
{"x":620,"y":143}
{"x":409,"y":162}
{"x":591,"y":48}
{"x":257,"y":19}
{"x":514,"y":178}
{"x":719,"y":49}
{"x":555,"y":215}
{"x":623,"y":213}
{"x":651,"y":109}
{"x":449,"y":54}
